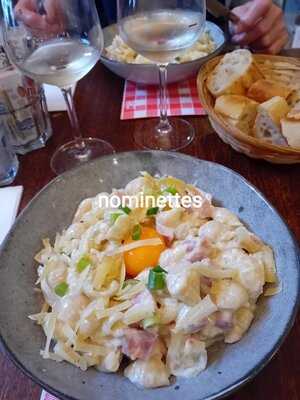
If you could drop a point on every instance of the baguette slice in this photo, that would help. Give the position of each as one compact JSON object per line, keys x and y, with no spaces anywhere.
{"x":234,"y":74}
{"x":295,"y":112}
{"x":266,"y":130}
{"x":276,"y":108}
{"x":242,"y":125}
{"x":267,"y":123}
{"x":294,"y":98}
{"x":239,"y":111}
{"x":264,"y":89}
{"x":291,"y":131}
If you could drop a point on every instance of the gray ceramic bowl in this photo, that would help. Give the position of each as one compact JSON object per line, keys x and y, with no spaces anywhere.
{"x":51,"y":210}
{"x":148,"y":74}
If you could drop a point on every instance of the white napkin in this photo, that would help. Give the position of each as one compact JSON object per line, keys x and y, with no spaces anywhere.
{"x":296,"y":41}
{"x":9,"y":203}
{"x":55,"y":99}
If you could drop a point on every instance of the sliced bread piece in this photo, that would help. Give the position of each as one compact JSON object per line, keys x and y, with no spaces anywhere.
{"x":276,"y":108}
{"x":234,"y":74}
{"x":295,"y":112}
{"x":239,"y":111}
{"x":294,"y":98}
{"x":267,"y":122}
{"x":291,"y":131}
{"x":266,"y":130}
{"x":264,"y":89}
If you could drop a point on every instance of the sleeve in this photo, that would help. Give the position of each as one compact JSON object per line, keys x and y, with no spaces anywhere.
{"x":107,"y":11}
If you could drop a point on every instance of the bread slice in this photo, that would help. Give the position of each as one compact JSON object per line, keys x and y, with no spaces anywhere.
{"x":291,"y":131}
{"x":266,"y":130}
{"x":264,"y":89}
{"x":238,"y":111}
{"x":277,"y":108}
{"x":234,"y":74}
{"x":295,"y":112}
{"x":294,"y":98}
{"x":267,"y":122}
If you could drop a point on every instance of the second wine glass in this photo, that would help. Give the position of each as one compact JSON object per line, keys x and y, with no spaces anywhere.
{"x":57,"y":42}
{"x":160,"y":30}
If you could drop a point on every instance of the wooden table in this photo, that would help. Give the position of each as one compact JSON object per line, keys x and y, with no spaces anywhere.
{"x":98,"y":101}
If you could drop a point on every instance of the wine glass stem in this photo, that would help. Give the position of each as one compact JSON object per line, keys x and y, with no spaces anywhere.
{"x":68,"y":96}
{"x":164,"y":127}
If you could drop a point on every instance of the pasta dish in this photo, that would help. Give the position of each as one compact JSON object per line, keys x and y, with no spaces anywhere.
{"x":120,"y":51}
{"x":150,"y":288}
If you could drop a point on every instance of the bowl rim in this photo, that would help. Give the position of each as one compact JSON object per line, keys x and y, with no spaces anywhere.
{"x":213,"y":54}
{"x":230,"y":388}
{"x":232,"y":130}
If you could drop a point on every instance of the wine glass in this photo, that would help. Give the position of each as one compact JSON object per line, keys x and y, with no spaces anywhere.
{"x":161,"y":30}
{"x":57,"y":42}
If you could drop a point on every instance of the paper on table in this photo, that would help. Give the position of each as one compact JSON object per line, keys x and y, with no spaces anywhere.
{"x":9,"y":203}
{"x":296,"y":41}
{"x":142,"y":101}
{"x":47,"y":396}
{"x":55,"y":99}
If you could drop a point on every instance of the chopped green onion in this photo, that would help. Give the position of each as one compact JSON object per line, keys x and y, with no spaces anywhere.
{"x":137,"y":232}
{"x":152,"y":211}
{"x":151,"y":321}
{"x":61,"y":289}
{"x":156,"y":278}
{"x":171,"y":190}
{"x":114,"y":217}
{"x":126,"y":210}
{"x":158,"y":268}
{"x":83,"y":263}
{"x":130,"y":282}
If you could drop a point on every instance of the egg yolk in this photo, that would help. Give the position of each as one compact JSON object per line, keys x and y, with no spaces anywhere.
{"x":138,"y":259}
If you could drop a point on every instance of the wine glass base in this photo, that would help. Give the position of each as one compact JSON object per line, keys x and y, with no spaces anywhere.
{"x":71,"y":154}
{"x":180,"y":136}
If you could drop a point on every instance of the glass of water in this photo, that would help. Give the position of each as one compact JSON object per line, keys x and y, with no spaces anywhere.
{"x":57,"y":42}
{"x":160,"y":30}
{"x":9,"y":164}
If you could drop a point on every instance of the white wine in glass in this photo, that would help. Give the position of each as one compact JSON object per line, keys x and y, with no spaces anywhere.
{"x":57,"y":42}
{"x":161,"y":30}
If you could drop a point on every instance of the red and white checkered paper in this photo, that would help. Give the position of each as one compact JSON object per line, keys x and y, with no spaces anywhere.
{"x":142,"y":101}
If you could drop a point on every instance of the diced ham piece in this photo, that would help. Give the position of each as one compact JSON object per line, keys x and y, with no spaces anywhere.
{"x":206,"y":281}
{"x":224,"y":320}
{"x":198,"y":249}
{"x":138,"y":344}
{"x":204,"y":211}
{"x":204,"y":208}
{"x":165,"y":231}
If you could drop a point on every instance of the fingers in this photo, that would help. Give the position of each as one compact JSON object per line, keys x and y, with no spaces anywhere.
{"x":42,"y":25}
{"x":51,"y":9}
{"x":54,"y":16}
{"x":276,"y":45}
{"x":264,"y":29}
{"x":268,"y":34}
{"x":31,"y":19}
{"x":250,"y":14}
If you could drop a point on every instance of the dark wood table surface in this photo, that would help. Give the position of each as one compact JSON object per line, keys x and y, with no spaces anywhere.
{"x":98,"y":99}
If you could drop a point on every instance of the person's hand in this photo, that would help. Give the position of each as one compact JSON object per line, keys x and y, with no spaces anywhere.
{"x":47,"y":24}
{"x":261,"y":26}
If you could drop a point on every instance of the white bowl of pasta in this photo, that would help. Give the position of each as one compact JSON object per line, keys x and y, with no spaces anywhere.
{"x":123,"y":61}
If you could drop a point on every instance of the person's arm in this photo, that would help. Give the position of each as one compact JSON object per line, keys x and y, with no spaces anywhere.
{"x":107,"y":11}
{"x":262,"y":26}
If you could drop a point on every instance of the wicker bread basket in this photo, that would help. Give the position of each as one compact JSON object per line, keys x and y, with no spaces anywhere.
{"x":281,"y":69}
